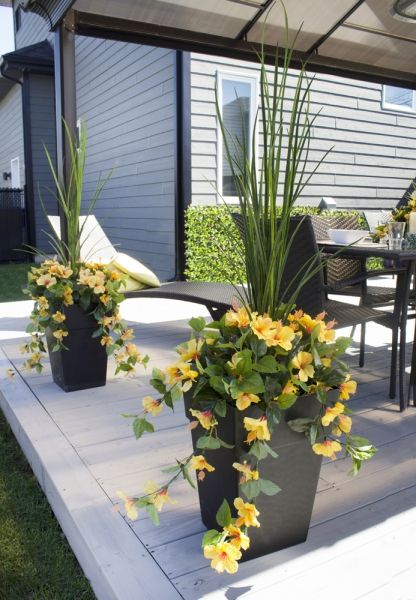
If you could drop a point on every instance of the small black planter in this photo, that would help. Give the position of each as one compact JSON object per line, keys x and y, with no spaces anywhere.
{"x":84,"y":365}
{"x":285,"y":517}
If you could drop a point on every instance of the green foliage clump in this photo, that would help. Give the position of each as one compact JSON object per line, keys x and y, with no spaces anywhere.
{"x":211,"y":244}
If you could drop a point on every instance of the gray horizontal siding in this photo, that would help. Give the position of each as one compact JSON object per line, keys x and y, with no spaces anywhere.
{"x":11,"y":144}
{"x":125,"y":95}
{"x":42,"y":125}
{"x":373,"y":156}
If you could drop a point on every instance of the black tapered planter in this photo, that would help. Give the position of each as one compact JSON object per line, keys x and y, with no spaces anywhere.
{"x":84,"y":365}
{"x":285,"y":517}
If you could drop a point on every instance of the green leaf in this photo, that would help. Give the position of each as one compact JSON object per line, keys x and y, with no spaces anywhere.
{"x":153,"y":514}
{"x":223,"y":516}
{"x":313,"y":433}
{"x":225,"y":444}
{"x":140,"y":425}
{"x":268,"y":487}
{"x":197,"y":324}
{"x":168,"y":399}
{"x":251,"y":489}
{"x":158,"y":374}
{"x":269,"y":450}
{"x":300,"y":425}
{"x":267,"y":364}
{"x":212,"y":536}
{"x":208,"y":442}
{"x":98,"y":332}
{"x":285,"y":401}
{"x":341,"y":345}
{"x":272,"y":415}
{"x":321,"y":395}
{"x":258,"y":450}
{"x":213,"y":370}
{"x":220,"y":407}
{"x":186,"y":476}
{"x":252,"y":384}
{"x":158,"y":385}
{"x":217,"y":384}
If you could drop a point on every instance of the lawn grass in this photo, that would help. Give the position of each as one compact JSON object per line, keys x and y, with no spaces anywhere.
{"x":13,"y":276}
{"x":36,"y":562}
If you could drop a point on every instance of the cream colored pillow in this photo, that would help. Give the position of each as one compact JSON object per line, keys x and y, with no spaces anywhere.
{"x":141,"y":275}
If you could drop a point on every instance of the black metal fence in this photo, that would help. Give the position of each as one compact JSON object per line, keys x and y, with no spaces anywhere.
{"x":13,"y":224}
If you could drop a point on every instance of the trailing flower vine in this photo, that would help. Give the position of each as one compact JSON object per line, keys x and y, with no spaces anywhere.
{"x":248,"y":359}
{"x":97,"y":289}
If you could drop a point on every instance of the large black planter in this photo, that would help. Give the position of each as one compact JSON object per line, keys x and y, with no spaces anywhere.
{"x":84,"y":365}
{"x":285,"y":517}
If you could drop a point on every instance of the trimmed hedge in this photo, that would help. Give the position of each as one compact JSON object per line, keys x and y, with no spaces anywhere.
{"x":211,"y":252}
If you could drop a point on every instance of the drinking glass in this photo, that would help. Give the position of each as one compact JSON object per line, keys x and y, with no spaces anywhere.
{"x":395,"y":232}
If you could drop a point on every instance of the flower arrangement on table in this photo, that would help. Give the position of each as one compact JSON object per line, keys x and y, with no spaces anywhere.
{"x":401,"y":214}
{"x":245,"y":360}
{"x":98,"y":291}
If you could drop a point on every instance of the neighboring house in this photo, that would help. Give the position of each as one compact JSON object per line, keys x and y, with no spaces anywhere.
{"x":127,"y":95}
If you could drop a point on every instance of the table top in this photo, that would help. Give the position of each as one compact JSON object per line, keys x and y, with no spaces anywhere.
{"x":366,"y":249}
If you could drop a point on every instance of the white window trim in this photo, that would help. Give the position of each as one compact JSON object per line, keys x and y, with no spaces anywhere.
{"x":398,"y":107}
{"x":16,"y":162}
{"x":254,"y":82}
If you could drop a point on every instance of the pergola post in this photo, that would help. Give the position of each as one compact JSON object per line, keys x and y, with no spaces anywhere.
{"x":65,"y":105}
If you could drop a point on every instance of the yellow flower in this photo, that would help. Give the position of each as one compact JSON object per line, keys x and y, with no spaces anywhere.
{"x":157,"y":496}
{"x":245,"y":469}
{"x":58,"y":317}
{"x":182,"y":372}
{"x":84,"y":276}
{"x":129,"y":505}
{"x":127,"y":334}
{"x":281,"y":336}
{"x":262,"y":326}
{"x":132,"y":350}
{"x":43,"y":302}
{"x":224,"y":557}
{"x":239,"y":318}
{"x":331,"y":413}
{"x":59,"y":334}
{"x":106,"y":321}
{"x":206,"y":418}
{"x":343,"y":425}
{"x":60,"y":271}
{"x":307,"y":322}
{"x":105,"y":299}
{"x":238,"y":538}
{"x":10,"y":373}
{"x":43,"y":313}
{"x":327,"y":448}
{"x":327,"y":362}
{"x":199,"y":464}
{"x":247,"y":514}
{"x":68,"y":300}
{"x":191,"y":350}
{"x":106,"y":340}
{"x":290,"y":388}
{"x":257,"y":429}
{"x":326,"y":334}
{"x":151,"y":405}
{"x":244,"y":400}
{"x":349,"y":386}
{"x":46,"y":280}
{"x":303,"y":362}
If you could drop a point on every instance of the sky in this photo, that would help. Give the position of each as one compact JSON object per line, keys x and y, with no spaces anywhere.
{"x":6,"y":30}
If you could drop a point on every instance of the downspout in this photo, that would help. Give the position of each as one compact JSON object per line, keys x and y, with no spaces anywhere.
{"x":27,"y":153}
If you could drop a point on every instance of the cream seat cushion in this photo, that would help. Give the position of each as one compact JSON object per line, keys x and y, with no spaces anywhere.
{"x":139,"y":276}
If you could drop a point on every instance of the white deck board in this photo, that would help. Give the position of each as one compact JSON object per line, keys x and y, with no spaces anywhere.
{"x":361,"y":527}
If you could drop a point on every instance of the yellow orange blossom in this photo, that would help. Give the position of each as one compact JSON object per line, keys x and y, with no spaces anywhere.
{"x":121,"y":357}
{"x":349,"y":386}
{"x":331,"y":413}
{"x":84,"y":276}
{"x":10,"y":373}
{"x":290,"y":388}
{"x":206,"y":418}
{"x":151,"y":405}
{"x":127,"y":334}
{"x":132,"y":350}
{"x":303,"y":362}
{"x":245,"y":469}
{"x":60,"y":334}
{"x":60,"y":271}
{"x":262,"y":326}
{"x":327,"y":362}
{"x":157,"y":496}
{"x":327,"y":448}
{"x":257,"y":429}
{"x":224,"y":557}
{"x":106,"y":340}
{"x":307,"y":322}
{"x":326,"y":334}
{"x":129,"y":506}
{"x":247,"y":514}
{"x":43,"y":312}
{"x":105,"y":299}
{"x":244,"y":400}
{"x":58,"y":317}
{"x":239,"y":318}
{"x":96,"y":284}
{"x":238,"y":538}
{"x":68,"y":299}
{"x":114,"y":276}
{"x":191,"y":350}
{"x":343,"y":425}
{"x":46,"y":280}
{"x":281,"y":336}
{"x":43,"y":302}
{"x":199,"y":464}
{"x":106,"y":321}
{"x":187,"y":372}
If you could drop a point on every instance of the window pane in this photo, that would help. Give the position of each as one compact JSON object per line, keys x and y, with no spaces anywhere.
{"x":399,"y":96}
{"x":236,"y":116}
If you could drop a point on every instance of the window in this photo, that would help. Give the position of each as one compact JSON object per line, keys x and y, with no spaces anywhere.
{"x":238,"y":99}
{"x":15,"y":171}
{"x":400,"y":99}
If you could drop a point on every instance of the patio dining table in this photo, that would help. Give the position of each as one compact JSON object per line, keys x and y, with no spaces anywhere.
{"x":406,"y":259}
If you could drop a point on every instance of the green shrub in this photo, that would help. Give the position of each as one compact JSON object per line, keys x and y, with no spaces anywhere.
{"x":211,"y":252}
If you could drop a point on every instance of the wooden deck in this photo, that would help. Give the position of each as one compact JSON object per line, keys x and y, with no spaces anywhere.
{"x":361,"y":544}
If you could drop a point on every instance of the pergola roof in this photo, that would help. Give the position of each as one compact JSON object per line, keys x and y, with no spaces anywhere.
{"x":346,"y":37}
